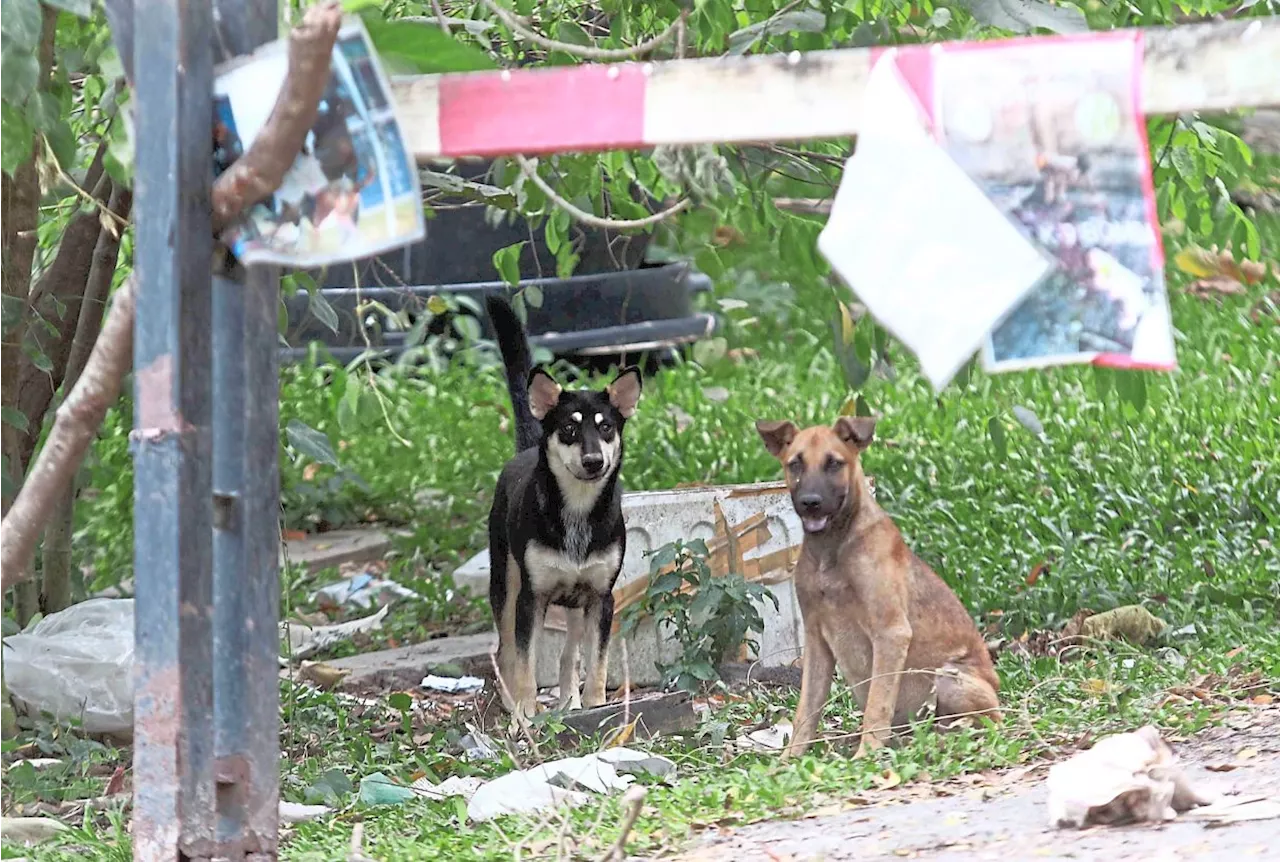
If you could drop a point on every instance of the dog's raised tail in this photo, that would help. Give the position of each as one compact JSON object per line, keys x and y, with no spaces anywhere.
{"x":517,"y":359}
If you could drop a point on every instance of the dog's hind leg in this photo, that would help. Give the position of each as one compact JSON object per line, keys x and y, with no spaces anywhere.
{"x":598,"y":620}
{"x":570,"y":696}
{"x":964,"y":694}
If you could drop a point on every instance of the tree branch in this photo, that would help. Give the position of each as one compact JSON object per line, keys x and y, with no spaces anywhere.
{"x":258,"y":173}
{"x":583,"y":51}
{"x":530,"y":170}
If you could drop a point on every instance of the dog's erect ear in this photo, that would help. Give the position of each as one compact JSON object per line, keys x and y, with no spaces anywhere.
{"x":857,"y":431}
{"x":777,"y":436}
{"x":544,"y":393}
{"x":624,"y":391}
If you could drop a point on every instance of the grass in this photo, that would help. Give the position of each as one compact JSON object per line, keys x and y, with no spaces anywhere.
{"x":1175,"y":505}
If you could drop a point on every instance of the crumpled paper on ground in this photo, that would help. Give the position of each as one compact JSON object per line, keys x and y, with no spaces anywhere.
{"x":561,"y":782}
{"x":362,"y":590}
{"x":305,"y":640}
{"x":1124,"y":778}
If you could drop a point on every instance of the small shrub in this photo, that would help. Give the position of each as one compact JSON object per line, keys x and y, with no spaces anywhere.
{"x":713,"y":616}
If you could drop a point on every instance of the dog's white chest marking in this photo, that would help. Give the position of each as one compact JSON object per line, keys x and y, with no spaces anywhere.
{"x":550,"y":569}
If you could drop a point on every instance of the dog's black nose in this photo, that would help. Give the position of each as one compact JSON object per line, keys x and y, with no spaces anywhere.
{"x":809,"y":502}
{"x":592,"y":462}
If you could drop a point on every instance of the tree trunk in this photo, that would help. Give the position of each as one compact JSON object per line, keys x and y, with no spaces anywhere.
{"x":57,"y":558}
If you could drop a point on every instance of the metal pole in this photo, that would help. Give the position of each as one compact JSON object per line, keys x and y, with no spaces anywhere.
{"x":247,"y":539}
{"x":173,"y":700}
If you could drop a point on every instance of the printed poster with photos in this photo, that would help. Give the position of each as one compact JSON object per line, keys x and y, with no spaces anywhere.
{"x":352,"y":192}
{"x":1052,"y":132}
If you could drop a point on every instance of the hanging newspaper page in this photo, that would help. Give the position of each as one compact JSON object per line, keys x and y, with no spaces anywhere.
{"x":919,"y":243}
{"x":353,"y":190}
{"x":1052,"y":131}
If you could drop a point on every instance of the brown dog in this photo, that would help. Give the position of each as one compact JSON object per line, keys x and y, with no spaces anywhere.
{"x":899,"y":635}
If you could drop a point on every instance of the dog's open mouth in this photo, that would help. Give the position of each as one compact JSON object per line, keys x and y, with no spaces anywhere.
{"x":815,"y":524}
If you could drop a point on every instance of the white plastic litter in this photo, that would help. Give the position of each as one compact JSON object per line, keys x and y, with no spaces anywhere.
{"x":452,"y":684}
{"x":562,"y":782}
{"x":454,"y":785}
{"x":1124,"y":778}
{"x":361,"y":591}
{"x":773,"y":738}
{"x":293,"y":812}
{"x":305,"y":640}
{"x":77,"y":664}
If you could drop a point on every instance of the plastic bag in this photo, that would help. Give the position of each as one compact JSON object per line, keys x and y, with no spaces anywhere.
{"x":77,"y":664}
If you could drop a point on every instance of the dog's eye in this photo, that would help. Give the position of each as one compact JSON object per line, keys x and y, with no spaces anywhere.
{"x":569,"y":431}
{"x":833,"y":465}
{"x":796,"y":465}
{"x":605,"y":427}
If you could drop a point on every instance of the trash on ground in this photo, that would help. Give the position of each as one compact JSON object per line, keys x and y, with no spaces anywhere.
{"x":29,"y":830}
{"x":478,"y":746}
{"x":307,"y":640}
{"x":452,"y":685}
{"x":378,"y":789}
{"x":1124,"y":778}
{"x":293,"y":812}
{"x":77,"y":664}
{"x":773,"y":738}
{"x":455,"y":785}
{"x":630,"y":762}
{"x":1133,"y":623}
{"x":362,"y":590}
{"x":41,"y":762}
{"x":562,"y":782}
{"x":1230,"y":809}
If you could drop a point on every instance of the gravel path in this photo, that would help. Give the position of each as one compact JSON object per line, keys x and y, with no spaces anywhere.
{"x":1005,"y":818}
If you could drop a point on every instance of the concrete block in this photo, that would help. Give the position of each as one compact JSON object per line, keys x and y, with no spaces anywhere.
{"x":406,"y":666}
{"x":326,"y":550}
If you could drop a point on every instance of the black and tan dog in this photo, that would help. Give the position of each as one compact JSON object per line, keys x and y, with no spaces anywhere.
{"x":556,"y":534}
{"x":871,"y":607}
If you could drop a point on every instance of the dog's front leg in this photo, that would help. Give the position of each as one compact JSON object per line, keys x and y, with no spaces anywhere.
{"x":888,"y":659}
{"x":598,"y":622}
{"x":817,"y":668}
{"x":530,"y":617}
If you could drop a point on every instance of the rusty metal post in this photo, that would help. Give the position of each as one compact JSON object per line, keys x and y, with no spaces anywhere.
{"x":173,"y":699}
{"x":246,"y":521}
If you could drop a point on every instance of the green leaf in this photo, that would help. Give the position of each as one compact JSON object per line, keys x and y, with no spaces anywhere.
{"x":1102,"y":378}
{"x":1132,"y":387}
{"x":18,"y":73}
{"x":1184,"y":162}
{"x":703,"y":670}
{"x":709,"y":351}
{"x":62,"y":143}
{"x":667,"y":583}
{"x":14,"y":417}
{"x":797,"y":21}
{"x":15,"y":138}
{"x":310,"y":442}
{"x":320,"y":307}
{"x":43,"y":111}
{"x":20,"y":24}
{"x":661,"y":558}
{"x":533,"y":296}
{"x":995,"y":431}
{"x":421,"y":47}
{"x":507,"y":262}
{"x":41,"y":361}
{"x":862,"y":408}
{"x":1023,"y":16}
{"x":400,"y":701}
{"x":79,"y":8}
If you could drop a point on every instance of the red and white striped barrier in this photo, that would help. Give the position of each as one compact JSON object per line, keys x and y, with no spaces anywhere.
{"x":774,"y":97}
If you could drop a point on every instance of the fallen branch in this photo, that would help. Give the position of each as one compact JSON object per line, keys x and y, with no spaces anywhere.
{"x":634,"y":800}
{"x":258,"y":173}
{"x":584,"y":51}
{"x":254,"y":175}
{"x":530,"y":170}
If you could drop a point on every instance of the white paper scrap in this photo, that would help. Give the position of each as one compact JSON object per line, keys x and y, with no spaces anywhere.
{"x":934,"y":261}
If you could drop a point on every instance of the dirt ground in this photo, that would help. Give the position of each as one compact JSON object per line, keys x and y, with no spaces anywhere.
{"x":1003,"y":816}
